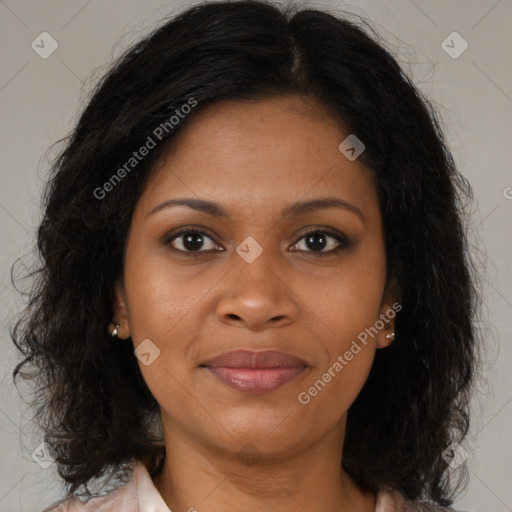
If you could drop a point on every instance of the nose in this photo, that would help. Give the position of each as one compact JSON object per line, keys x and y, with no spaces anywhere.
{"x":257,"y":296}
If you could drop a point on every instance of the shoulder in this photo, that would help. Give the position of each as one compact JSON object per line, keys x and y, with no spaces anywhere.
{"x":121,"y":499}
{"x":394,"y":501}
{"x":137,"y":493}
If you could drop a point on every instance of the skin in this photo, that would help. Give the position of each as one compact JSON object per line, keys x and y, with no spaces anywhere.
{"x":254,"y":158}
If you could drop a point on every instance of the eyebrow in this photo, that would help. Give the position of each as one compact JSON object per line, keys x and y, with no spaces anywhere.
{"x":295,"y":209}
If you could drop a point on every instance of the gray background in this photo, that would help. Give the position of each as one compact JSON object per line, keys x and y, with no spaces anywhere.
{"x":39,"y":101}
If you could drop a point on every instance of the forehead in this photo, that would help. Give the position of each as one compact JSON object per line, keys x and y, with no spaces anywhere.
{"x":260,"y":153}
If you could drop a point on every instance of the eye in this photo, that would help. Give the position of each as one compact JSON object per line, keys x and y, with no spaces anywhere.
{"x":191,"y":241}
{"x":318,"y":240}
{"x":194,"y":241}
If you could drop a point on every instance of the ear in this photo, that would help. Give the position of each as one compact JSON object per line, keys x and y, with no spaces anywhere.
{"x":120,"y":310}
{"x":390,"y":307}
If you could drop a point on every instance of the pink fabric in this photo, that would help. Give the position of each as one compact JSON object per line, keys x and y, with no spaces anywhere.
{"x":140,"y":495}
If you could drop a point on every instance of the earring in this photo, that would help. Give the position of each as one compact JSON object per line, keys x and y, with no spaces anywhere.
{"x":115,"y":331}
{"x":391,"y":334}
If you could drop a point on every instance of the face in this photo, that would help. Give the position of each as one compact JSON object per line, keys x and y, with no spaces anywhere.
{"x":202,"y":280}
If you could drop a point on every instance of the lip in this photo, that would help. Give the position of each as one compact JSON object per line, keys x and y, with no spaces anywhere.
{"x":255,"y":371}
{"x":244,"y":358}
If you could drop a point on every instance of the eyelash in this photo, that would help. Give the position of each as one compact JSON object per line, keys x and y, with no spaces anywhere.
{"x":341,"y":239}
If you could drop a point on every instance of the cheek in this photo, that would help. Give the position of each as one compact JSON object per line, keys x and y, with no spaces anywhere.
{"x":348,"y":301}
{"x":348,"y":307}
{"x":160,"y":295}
{"x":336,"y":388}
{"x":347,"y":350}
{"x":166,"y":306}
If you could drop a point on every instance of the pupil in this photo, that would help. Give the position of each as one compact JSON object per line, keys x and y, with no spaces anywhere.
{"x":189,"y":243}
{"x":314,"y":240}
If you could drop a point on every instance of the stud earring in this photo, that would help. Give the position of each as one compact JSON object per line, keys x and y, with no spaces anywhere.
{"x":115,"y":331}
{"x":391,"y":334}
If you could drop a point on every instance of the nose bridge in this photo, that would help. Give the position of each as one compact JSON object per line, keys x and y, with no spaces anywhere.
{"x":256,"y":292}
{"x":257,"y":267}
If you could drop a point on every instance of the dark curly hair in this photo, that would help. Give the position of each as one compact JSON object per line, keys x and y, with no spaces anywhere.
{"x":91,"y":400}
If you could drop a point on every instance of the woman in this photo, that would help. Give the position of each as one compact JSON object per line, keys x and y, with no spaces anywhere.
{"x":255,"y":291}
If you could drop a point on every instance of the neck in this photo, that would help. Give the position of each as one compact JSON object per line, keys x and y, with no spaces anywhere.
{"x":199,"y":477}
